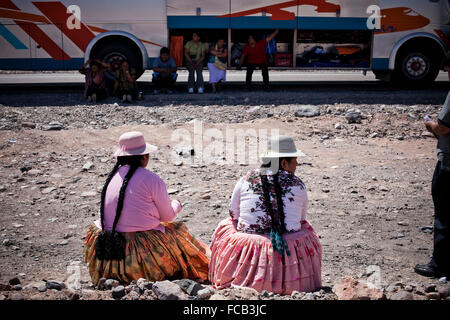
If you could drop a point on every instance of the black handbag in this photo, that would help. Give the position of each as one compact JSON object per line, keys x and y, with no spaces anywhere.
{"x":110,"y":245}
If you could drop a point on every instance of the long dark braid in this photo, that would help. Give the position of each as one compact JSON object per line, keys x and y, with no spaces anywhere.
{"x":105,"y":187}
{"x":278,"y":227}
{"x":110,"y":245}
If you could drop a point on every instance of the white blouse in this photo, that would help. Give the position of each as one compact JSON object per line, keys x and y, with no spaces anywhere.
{"x":247,"y":202}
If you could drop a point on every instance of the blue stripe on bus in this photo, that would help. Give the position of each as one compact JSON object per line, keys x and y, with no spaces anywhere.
{"x":331,"y":23}
{"x":40,"y":64}
{"x":197,"y":22}
{"x":302,"y":23}
{"x":380,"y":64}
{"x":11,"y":38}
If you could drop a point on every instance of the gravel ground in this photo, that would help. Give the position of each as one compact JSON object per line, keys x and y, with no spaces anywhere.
{"x":368,"y":181}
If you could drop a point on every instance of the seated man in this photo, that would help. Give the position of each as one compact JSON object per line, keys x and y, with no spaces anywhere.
{"x":164,"y":72}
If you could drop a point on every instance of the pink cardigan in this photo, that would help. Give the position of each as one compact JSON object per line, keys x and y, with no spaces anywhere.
{"x":146,"y":203}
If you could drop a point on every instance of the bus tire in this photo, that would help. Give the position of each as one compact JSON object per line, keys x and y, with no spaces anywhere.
{"x":116,"y":50}
{"x":416,"y":66}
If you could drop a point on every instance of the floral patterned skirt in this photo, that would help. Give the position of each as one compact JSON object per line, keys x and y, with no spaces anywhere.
{"x":248,"y":260}
{"x":152,"y":255}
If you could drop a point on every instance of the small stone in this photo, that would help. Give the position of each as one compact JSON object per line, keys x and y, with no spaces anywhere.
{"x":402,"y":295}
{"x":111,"y":283}
{"x":353,"y":117}
{"x":2,"y":188}
{"x":87,"y":166}
{"x":48,"y":190}
{"x":401,"y":138}
{"x":16,"y":296}
{"x":28,"y":125}
{"x":14,"y":281}
{"x":64,"y":243}
{"x":189,"y":286}
{"x":444,"y":292}
{"x":307,"y":111}
{"x":430,"y":288}
{"x":52,"y":126}
{"x":338,"y":126}
{"x":17,"y":225}
{"x":88,"y":194}
{"x":55,"y":285}
{"x":118,"y":292}
{"x":42,"y":288}
{"x":72,"y":294}
{"x":373,"y":135}
{"x":101,"y":284}
{"x":433,"y":296}
{"x":352,"y":289}
{"x":7,"y":242}
{"x":17,"y":287}
{"x":204,"y":293}
{"x":166,"y":290}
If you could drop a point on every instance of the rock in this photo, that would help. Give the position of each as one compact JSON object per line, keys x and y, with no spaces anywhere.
{"x":34,"y":172}
{"x":444,"y":292}
{"x":400,"y":137}
{"x":373,"y":135}
{"x":87,"y":166}
{"x":166,"y":290}
{"x":433,"y":296}
{"x":56,"y":285}
{"x":442,"y":280}
{"x":29,"y":125}
{"x":427,"y":229}
{"x":353,"y":117}
{"x":189,"y":286}
{"x":111,"y":283}
{"x":7,"y":242}
{"x":118,"y":292}
{"x":2,"y":188}
{"x":42,"y":288}
{"x":352,"y":289}
{"x":17,"y":287}
{"x":402,"y":295}
{"x":338,"y":126}
{"x":88,"y":194}
{"x":101,"y":284}
{"x":307,"y":111}
{"x":64,"y":243}
{"x":16,"y":296}
{"x":52,"y":126}
{"x":204,"y":294}
{"x":14,"y":281}
{"x":72,"y":294}
{"x":48,"y":190}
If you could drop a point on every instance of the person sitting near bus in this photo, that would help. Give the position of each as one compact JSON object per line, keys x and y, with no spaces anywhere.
{"x":164,"y":72}
{"x":95,"y":82}
{"x":126,"y":86}
{"x":255,"y":52}
{"x":194,"y":52}
{"x":267,"y":243}
{"x":217,"y":64}
{"x":134,"y":236}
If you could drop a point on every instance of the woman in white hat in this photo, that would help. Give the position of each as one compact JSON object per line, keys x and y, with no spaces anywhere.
{"x":134,"y":237}
{"x":267,"y":244}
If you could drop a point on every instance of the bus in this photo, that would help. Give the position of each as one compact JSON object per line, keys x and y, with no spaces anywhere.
{"x":402,"y":40}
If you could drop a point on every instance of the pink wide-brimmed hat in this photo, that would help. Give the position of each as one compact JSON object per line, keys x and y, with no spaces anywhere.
{"x":133,"y":144}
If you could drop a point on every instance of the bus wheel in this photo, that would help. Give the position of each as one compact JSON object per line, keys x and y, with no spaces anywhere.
{"x":416,"y":66}
{"x":118,"y":52}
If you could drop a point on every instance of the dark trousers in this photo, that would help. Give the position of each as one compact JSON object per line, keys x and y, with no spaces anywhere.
{"x":441,"y":198}
{"x":164,"y":80}
{"x":192,"y":72}
{"x":99,"y":92}
{"x":265,"y":73}
{"x":133,"y":91}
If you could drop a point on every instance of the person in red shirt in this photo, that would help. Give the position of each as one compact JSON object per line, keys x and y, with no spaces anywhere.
{"x":255,"y":51}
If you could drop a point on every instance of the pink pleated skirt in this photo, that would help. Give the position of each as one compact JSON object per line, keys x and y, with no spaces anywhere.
{"x":248,"y":260}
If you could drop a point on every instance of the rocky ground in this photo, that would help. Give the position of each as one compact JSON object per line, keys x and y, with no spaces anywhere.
{"x":368,"y":170}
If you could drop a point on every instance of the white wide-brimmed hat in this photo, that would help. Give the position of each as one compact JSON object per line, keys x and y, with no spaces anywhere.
{"x":281,"y":147}
{"x":133,"y":144}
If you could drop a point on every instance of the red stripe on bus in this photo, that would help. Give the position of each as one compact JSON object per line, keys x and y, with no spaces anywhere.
{"x":43,"y":40}
{"x":57,"y":13}
{"x":8,"y":4}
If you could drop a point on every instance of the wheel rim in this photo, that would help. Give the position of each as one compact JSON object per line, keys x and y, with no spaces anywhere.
{"x":113,"y":56}
{"x":416,"y":66}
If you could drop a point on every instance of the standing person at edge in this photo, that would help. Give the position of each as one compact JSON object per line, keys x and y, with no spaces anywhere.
{"x":194,"y":52}
{"x":255,"y":51}
{"x":439,"y":266}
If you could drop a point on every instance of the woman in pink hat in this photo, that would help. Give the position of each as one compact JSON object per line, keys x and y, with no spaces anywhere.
{"x":133,"y":237}
{"x":267,"y":243}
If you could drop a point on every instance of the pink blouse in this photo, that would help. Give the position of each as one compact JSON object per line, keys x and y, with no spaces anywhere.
{"x":146,"y":203}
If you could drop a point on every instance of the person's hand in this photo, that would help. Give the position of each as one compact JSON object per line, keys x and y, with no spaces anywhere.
{"x":431,"y":127}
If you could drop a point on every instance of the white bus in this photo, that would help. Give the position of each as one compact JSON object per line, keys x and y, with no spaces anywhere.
{"x":404,"y":40}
